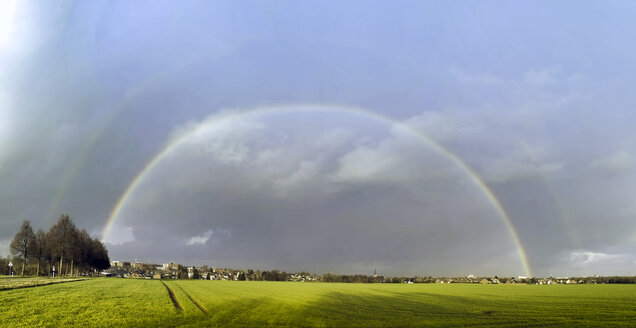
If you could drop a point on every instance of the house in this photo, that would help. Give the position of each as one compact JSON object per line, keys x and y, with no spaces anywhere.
{"x":485,"y":281}
{"x":170,"y":266}
{"x":137,"y":265}
{"x":156,"y":276}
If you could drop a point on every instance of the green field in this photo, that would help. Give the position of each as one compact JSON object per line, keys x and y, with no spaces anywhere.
{"x":127,"y":302}
{"x":7,"y":282}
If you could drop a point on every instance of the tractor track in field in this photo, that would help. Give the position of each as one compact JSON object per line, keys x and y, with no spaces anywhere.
{"x":203,"y":309}
{"x":173,"y":298}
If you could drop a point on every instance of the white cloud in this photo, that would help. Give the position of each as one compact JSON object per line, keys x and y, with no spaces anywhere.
{"x":502,"y":143}
{"x":615,"y":260}
{"x":523,"y":161}
{"x":619,"y":161}
{"x":202,"y":239}
{"x":298,"y":182}
{"x":226,"y":141}
{"x":118,"y":235}
{"x":221,"y":135}
{"x":475,"y":78}
{"x":187,"y":128}
{"x":448,"y":125}
{"x":590,"y":257}
{"x":364,"y":163}
{"x":335,"y":137}
{"x":541,"y":77}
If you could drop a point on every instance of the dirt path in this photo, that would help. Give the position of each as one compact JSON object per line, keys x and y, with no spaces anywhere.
{"x":173,"y":298}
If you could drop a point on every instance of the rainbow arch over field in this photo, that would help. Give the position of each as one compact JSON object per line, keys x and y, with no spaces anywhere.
{"x":226,"y":116}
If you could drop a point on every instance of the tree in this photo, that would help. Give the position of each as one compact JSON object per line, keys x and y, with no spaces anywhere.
{"x":195,"y":273}
{"x":61,"y":239}
{"x":82,"y":249}
{"x":98,"y":255}
{"x":182,"y":272}
{"x":23,"y":243}
{"x":39,"y":249}
{"x":62,"y":242}
{"x":4,"y":263}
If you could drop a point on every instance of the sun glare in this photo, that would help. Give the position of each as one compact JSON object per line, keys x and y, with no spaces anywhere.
{"x":7,"y":12}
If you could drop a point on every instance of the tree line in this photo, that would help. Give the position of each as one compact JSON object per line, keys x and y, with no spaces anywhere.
{"x":73,"y":251}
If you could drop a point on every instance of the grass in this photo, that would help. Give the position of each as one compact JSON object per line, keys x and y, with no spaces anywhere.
{"x":364,"y":305}
{"x":89,"y":303}
{"x":128,"y":302}
{"x":7,"y":282}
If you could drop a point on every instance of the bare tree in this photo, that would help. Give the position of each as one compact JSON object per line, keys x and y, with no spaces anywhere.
{"x":61,"y":239}
{"x":23,"y":243}
{"x":83,"y":249}
{"x":62,"y":242}
{"x":39,"y":250}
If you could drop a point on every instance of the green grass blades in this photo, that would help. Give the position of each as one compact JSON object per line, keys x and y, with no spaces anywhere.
{"x":89,"y":303}
{"x":136,"y":303}
{"x":379,"y":305}
{"x":22,"y":282}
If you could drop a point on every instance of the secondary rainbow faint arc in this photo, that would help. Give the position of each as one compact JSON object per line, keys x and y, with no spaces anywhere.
{"x":229,"y":115}
{"x":135,"y":92}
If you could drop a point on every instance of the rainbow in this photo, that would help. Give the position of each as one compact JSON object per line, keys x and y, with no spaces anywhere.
{"x":231,"y":115}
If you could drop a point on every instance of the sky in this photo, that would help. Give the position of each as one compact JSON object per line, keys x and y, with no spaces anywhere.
{"x":411,"y":138}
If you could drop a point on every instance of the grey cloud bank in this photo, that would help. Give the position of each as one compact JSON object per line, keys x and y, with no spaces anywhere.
{"x":535,"y":98}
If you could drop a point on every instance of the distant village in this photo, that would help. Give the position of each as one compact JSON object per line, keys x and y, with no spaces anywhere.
{"x":139,"y":270}
{"x":123,"y":269}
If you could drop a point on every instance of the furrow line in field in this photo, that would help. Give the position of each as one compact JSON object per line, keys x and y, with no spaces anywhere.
{"x":173,"y":298}
{"x":203,"y":309}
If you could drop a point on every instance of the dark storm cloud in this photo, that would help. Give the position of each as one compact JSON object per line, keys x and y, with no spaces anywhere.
{"x":89,"y":92}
